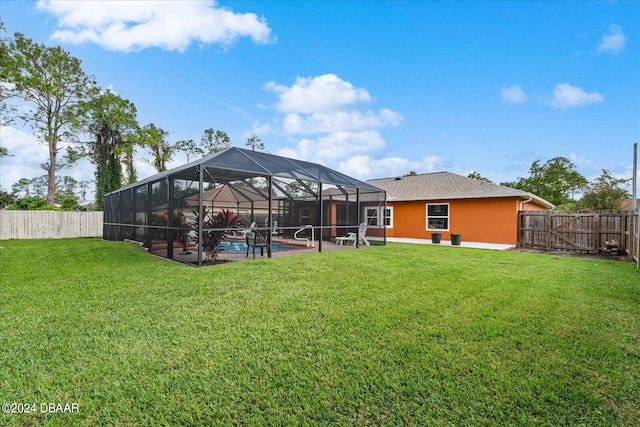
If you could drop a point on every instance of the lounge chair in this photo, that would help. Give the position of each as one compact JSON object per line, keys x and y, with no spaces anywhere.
{"x":244,"y":232}
{"x":362,"y":231}
{"x":256,"y":240}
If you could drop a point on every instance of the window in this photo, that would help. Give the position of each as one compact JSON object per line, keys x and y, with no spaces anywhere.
{"x":438,"y":216}
{"x":385,"y":214}
{"x":371,"y":215}
{"x":388,"y":216}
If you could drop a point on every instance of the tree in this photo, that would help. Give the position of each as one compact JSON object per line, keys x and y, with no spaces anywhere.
{"x":411,"y":173}
{"x":476,"y":175}
{"x":604,"y":193}
{"x":6,"y":111}
{"x":39,"y":186}
{"x":155,"y":140}
{"x":214,"y":141}
{"x":66,"y":187}
{"x":128,"y":150}
{"x":21,"y":188}
{"x":51,"y":82}
{"x":190,"y":148}
{"x":6,"y":198}
{"x":555,"y":181}
{"x":110,"y":120}
{"x":4,"y":152}
{"x":255,"y":143}
{"x":84,"y":185}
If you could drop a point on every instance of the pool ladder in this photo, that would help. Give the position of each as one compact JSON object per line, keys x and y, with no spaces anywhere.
{"x":310,"y":244}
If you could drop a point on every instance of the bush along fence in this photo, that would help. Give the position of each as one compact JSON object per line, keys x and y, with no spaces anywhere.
{"x":49,"y":224}
{"x":614,"y":232}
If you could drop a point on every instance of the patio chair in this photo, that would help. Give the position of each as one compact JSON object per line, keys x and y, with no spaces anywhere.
{"x":245,"y":231}
{"x":256,"y":240}
{"x":362,"y":231}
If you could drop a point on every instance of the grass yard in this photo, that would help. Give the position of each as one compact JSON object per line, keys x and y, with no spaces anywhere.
{"x":395,"y":335}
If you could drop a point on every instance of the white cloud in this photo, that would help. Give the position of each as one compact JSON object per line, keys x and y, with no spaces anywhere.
{"x":318,"y":94}
{"x":566,"y":96}
{"x":259,"y":128}
{"x":579,"y":160}
{"x":290,"y":153}
{"x":364,"y":167}
{"x":26,"y":156}
{"x":340,"y":129}
{"x":340,"y":121}
{"x":613,"y":40}
{"x":513,"y":95}
{"x":328,"y":104}
{"x":335,"y":145}
{"x":136,"y":25}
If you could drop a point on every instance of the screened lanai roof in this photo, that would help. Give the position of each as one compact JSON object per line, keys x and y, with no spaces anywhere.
{"x":235,"y":164}
{"x":284,"y":195}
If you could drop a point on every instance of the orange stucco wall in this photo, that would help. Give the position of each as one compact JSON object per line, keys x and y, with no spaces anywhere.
{"x":478,"y":220}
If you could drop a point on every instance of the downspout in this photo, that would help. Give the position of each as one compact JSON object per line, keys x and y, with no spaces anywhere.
{"x":519,"y":216}
{"x":384,"y":219}
{"x":522,"y":202}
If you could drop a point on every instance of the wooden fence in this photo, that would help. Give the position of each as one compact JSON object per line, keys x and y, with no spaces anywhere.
{"x":49,"y":224}
{"x":589,"y":232}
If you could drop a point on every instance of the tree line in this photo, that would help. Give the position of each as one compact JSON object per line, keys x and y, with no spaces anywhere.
{"x":558,"y":182}
{"x":46,"y":88}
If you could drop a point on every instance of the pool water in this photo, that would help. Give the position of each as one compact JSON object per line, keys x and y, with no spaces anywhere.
{"x":241,"y":247}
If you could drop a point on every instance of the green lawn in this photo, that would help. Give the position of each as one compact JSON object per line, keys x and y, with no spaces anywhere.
{"x":401,"y":334}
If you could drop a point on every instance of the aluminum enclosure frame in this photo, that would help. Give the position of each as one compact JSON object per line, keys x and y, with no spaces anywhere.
{"x":281,"y":193}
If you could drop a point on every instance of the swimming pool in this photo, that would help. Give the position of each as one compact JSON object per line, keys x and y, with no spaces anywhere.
{"x":236,"y":247}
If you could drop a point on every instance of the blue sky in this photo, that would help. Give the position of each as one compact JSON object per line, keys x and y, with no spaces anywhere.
{"x":373,"y":89}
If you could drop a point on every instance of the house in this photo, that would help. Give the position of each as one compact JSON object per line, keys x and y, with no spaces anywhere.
{"x":418,"y":205}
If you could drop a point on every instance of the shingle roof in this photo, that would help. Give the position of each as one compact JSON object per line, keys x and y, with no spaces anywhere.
{"x":627,"y":204}
{"x":446,"y":185}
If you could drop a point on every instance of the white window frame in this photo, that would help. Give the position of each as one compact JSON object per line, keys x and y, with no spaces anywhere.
{"x":368,"y":216}
{"x":387,"y":218}
{"x":378,"y":213}
{"x":448,"y":217}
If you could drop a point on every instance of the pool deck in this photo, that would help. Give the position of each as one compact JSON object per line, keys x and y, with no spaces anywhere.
{"x":474,"y":245}
{"x":192,"y":257}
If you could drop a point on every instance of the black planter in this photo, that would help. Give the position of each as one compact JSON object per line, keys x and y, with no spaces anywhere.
{"x":436,"y":237}
{"x":456,"y":239}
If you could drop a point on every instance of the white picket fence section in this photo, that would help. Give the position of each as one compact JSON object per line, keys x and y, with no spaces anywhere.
{"x":49,"y":224}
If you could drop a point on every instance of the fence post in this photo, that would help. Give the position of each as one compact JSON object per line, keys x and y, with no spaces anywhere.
{"x":548,"y":230}
{"x":635,"y":239}
{"x":596,"y":232}
{"x":624,"y":245}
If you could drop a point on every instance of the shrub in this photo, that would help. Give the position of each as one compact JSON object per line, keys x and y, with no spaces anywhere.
{"x":29,"y":203}
{"x":70,"y":203}
{"x":222,"y":220}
